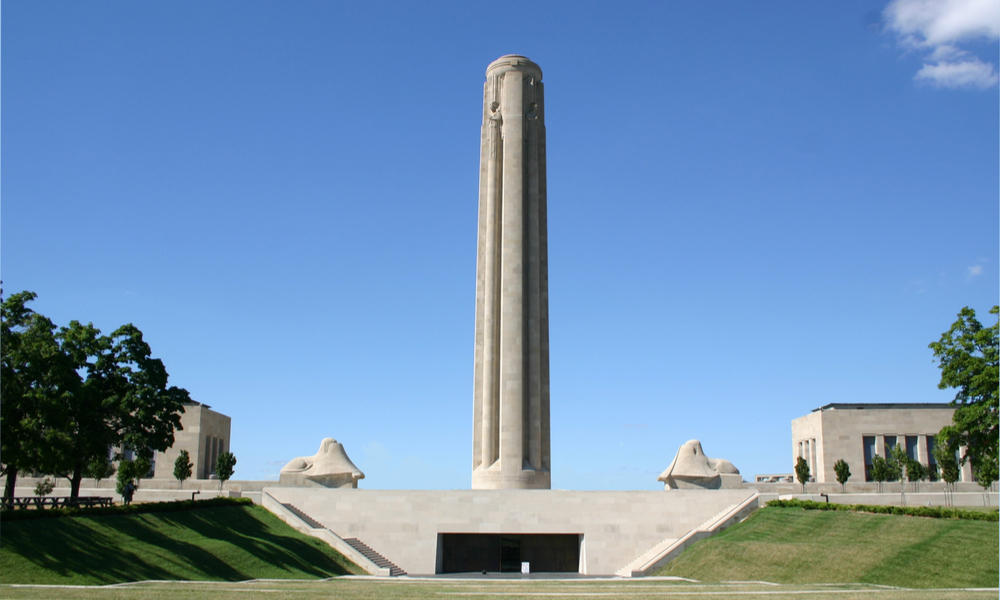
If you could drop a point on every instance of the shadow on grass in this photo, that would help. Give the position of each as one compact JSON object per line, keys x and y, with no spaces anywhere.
{"x":228,"y":544}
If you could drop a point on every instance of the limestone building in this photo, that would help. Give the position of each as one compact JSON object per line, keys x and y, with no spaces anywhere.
{"x":205,"y":436}
{"x":857,"y":432}
{"x":510,"y":448}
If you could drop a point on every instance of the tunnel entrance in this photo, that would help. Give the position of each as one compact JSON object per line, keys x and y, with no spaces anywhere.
{"x":504,"y":553}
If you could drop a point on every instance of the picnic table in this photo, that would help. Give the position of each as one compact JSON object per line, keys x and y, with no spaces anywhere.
{"x":41,"y":502}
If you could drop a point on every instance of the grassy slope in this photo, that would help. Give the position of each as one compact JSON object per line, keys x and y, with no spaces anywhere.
{"x":791,"y":545}
{"x":226,"y":543}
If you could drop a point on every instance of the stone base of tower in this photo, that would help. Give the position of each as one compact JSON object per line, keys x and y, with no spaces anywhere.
{"x":497,"y":479}
{"x":427,"y":532}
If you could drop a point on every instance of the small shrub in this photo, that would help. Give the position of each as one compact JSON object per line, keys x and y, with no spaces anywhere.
{"x":935,"y":512}
{"x":98,"y":511}
{"x":44,"y":487}
{"x":802,"y":472}
{"x":843,"y":471}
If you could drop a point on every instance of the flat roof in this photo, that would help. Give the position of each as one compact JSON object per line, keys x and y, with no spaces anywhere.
{"x":883,"y":406}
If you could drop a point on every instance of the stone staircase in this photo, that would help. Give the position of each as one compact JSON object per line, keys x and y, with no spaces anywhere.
{"x":309,"y":520}
{"x":670,"y":548}
{"x":355,"y":543}
{"x":375,"y":557}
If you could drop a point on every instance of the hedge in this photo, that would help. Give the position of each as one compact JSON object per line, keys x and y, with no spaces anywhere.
{"x":935,"y":512}
{"x":20,"y":514}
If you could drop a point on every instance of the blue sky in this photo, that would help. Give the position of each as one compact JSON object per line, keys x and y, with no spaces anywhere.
{"x":755,"y":209}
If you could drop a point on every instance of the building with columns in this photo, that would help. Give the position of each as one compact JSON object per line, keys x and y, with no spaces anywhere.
{"x":857,"y":432}
{"x":205,"y":435}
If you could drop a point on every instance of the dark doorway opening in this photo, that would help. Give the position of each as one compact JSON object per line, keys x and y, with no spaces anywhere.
{"x":504,"y":553}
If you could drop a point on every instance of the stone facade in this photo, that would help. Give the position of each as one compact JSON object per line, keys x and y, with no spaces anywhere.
{"x":510,"y":447}
{"x":842,"y":431}
{"x":405,"y":526}
{"x":205,"y":436}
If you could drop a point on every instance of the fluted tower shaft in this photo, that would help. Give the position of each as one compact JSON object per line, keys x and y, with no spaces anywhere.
{"x":511,"y":407}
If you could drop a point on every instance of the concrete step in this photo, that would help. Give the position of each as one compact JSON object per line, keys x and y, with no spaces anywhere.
{"x":309,"y":520}
{"x":375,"y":557}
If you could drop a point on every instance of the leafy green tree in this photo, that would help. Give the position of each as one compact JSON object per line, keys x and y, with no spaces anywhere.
{"x":985,"y":477}
{"x":969,"y":360}
{"x":121,"y":399}
{"x":99,"y":468}
{"x":914,"y":470}
{"x":183,"y":467}
{"x":895,"y":465}
{"x":44,"y":487}
{"x":224,"y":467}
{"x":947,"y":464}
{"x":126,"y":475}
{"x":879,"y":470}
{"x":843,"y":471}
{"x":931,"y":471}
{"x":68,"y":396}
{"x":802,"y":472}
{"x":143,"y":465}
{"x":895,"y":462}
{"x":35,"y":376}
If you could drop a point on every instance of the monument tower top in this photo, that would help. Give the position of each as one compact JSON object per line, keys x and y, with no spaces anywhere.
{"x":514,"y":62}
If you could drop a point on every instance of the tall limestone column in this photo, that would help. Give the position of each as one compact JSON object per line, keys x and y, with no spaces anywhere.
{"x":510,"y":447}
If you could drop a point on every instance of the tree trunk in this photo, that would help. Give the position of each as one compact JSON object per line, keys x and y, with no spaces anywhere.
{"x":8,"y":490}
{"x":74,"y":483}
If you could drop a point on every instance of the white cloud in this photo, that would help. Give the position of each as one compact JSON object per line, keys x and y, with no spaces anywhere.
{"x":936,"y":27}
{"x":964,"y":74}
{"x":974,"y":270}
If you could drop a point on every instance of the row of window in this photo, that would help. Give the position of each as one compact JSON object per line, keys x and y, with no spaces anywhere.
{"x":912,"y":445}
{"x":213,"y":448}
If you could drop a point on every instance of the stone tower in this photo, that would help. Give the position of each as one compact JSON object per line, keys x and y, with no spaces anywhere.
{"x":510,"y":448}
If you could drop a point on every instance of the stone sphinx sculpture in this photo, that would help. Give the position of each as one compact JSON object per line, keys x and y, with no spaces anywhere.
{"x":330,"y":467}
{"x":692,"y":470}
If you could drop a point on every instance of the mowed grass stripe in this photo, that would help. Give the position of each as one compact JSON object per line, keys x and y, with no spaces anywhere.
{"x":345,"y":588}
{"x":791,"y":545}
{"x":222,"y":544}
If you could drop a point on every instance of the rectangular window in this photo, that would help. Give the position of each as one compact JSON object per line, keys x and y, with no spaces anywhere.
{"x":930,"y":459}
{"x":911,"y":446}
{"x":208,"y":456}
{"x":868,"y":442}
{"x":890,"y":443}
{"x":215,"y":452}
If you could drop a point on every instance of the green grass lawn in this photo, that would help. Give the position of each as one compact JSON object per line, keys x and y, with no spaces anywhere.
{"x":232,"y":543}
{"x":399,"y":589}
{"x":791,"y":545}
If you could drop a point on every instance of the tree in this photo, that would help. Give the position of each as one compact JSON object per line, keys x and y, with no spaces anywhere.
{"x":182,"y":467}
{"x":914,"y":471}
{"x":895,"y":465}
{"x":802,"y":472}
{"x":44,"y":487}
{"x":879,"y":470}
{"x":947,"y":464}
{"x":895,"y":460}
{"x":35,"y":376}
{"x":986,"y":476}
{"x":68,"y":396}
{"x":121,"y":398}
{"x":100,"y":468}
{"x":969,"y":361}
{"x":143,"y":465}
{"x":126,"y":473}
{"x":224,"y":467}
{"x":843,"y":472}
